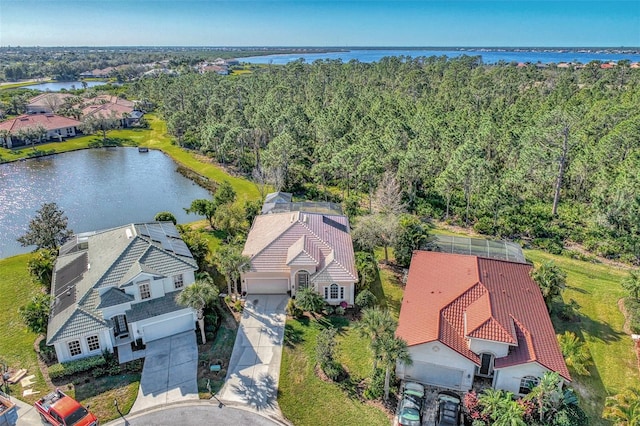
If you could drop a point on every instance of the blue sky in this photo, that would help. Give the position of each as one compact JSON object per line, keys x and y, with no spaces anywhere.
{"x":319,"y":23}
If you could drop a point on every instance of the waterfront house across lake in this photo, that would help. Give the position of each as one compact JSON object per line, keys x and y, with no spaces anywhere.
{"x":53,"y":127}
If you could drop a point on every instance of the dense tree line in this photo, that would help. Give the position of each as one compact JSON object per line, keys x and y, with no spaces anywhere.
{"x":540,"y":155}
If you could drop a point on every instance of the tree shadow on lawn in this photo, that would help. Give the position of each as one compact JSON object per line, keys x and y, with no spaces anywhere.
{"x":293,"y":336}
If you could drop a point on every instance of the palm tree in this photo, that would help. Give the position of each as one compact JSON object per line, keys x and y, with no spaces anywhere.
{"x":197,"y":296}
{"x":551,"y":280}
{"x":391,"y":349}
{"x":375,"y":323}
{"x":231,"y":263}
{"x":549,"y":397}
{"x":575,"y":352}
{"x":632,"y":284}
{"x":491,"y":400}
{"x":511,"y":414}
{"x":624,"y":408}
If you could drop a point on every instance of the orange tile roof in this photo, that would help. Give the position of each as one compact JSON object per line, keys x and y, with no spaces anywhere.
{"x":497,"y":299}
{"x":48,"y":121}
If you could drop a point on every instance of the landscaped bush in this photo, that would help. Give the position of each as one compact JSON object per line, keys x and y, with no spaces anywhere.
{"x":340,"y":310}
{"x":633,"y":310}
{"x":293,"y":310}
{"x":366,"y":299}
{"x":57,"y":371}
{"x":375,"y":389}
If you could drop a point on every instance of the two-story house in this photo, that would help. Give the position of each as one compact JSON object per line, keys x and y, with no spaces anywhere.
{"x":117,"y":289}
{"x":468,"y":318}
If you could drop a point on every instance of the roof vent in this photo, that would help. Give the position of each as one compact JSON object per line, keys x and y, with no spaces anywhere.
{"x":129,"y":233}
{"x":304,"y":218}
{"x":293,"y":216}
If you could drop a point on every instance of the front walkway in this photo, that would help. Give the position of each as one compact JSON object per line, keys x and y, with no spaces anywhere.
{"x":254,"y":367}
{"x":169,"y":372}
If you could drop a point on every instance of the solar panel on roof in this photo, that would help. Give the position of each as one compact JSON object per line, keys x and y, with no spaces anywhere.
{"x":180,"y":248}
{"x":69,"y":274}
{"x":170,"y":230}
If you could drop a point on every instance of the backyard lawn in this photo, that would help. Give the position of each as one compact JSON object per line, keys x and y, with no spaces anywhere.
{"x":596,"y":288}
{"x":16,"y":341}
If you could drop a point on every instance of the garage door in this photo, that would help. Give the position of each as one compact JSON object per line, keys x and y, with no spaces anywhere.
{"x":168,"y":327}
{"x":435,"y":375}
{"x":267,"y":286}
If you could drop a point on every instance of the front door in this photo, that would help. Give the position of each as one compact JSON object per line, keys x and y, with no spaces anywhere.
{"x":486,"y":365}
{"x":121,"y":329}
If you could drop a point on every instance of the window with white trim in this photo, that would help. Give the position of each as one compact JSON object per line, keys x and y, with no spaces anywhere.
{"x":74,"y":348}
{"x":527,"y":383}
{"x":93,"y":343}
{"x":145,"y":290}
{"x":334,"y":292}
{"x":178,"y":281}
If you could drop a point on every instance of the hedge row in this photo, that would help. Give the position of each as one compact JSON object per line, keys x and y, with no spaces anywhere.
{"x":59,"y":370}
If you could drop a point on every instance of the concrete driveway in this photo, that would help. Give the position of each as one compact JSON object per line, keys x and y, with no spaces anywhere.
{"x":169,"y":372}
{"x":254,"y":368}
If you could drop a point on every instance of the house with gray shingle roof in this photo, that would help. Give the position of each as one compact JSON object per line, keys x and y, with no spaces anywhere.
{"x":292,"y":250}
{"x":117,"y":289}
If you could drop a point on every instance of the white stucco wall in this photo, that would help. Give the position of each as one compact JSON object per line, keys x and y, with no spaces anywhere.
{"x":349,"y":289}
{"x":167,"y":320}
{"x":104,"y":337}
{"x":509,"y":378}
{"x":479,"y":346}
{"x":188,"y":277}
{"x":435,"y":353}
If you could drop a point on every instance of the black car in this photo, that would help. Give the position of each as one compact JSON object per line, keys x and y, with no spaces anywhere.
{"x":449,"y":412}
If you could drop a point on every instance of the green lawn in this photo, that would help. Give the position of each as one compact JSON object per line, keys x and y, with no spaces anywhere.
{"x":597,"y":289}
{"x":303,"y":397}
{"x":16,"y":341}
{"x":100,"y":393}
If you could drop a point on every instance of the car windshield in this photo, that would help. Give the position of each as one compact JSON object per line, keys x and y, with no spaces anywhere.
{"x":76,"y":416}
{"x":409,"y":417}
{"x":412,"y":401}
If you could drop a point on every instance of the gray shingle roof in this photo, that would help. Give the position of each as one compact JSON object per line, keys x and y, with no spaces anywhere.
{"x":115,"y":257}
{"x":113,"y":297}
{"x":154,"y":307}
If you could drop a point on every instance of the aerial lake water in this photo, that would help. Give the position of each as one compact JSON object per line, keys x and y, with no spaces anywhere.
{"x":56,"y":86}
{"x":488,"y":56}
{"x":97,"y":189}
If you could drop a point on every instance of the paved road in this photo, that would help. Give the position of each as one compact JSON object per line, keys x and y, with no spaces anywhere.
{"x":254,"y":368}
{"x":197,"y":414}
{"x":169,"y":372}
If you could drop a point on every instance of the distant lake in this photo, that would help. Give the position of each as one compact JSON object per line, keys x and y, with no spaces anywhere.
{"x":56,"y":86}
{"x":96,"y":188}
{"x":488,"y":57}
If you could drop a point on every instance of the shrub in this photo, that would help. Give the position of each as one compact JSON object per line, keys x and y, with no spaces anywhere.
{"x":375,"y":389}
{"x":328,"y":310}
{"x":366,"y":299}
{"x":340,"y":310}
{"x":237,"y":306}
{"x":57,"y":371}
{"x":333,"y":370}
{"x":485,"y":226}
{"x":326,"y":346}
{"x":293,"y":310}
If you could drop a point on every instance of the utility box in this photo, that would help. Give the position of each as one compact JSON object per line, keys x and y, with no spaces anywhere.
{"x":8,"y":412}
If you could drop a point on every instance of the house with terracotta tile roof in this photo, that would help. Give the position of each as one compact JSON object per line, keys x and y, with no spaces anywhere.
{"x":47,"y":103}
{"x":469,"y":319}
{"x":298,"y":249}
{"x":56,"y":128}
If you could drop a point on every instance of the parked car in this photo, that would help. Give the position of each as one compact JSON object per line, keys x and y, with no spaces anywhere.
{"x":59,"y":409}
{"x":411,"y":405}
{"x":449,"y":412}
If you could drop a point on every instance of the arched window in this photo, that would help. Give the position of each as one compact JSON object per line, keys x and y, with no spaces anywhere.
{"x":303,"y":279}
{"x":333,"y":292}
{"x":527,"y":383}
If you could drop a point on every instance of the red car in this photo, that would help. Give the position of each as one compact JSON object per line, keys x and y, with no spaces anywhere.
{"x":59,"y":409}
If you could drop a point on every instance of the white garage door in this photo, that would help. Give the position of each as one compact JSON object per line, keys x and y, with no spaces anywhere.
{"x":168,"y":327}
{"x":436,"y":375}
{"x":267,"y":286}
